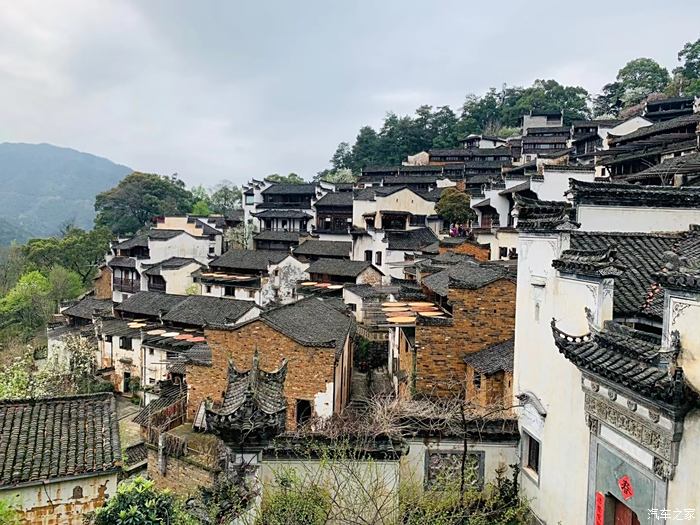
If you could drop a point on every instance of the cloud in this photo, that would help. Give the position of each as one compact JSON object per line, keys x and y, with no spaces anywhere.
{"x":216,"y":90}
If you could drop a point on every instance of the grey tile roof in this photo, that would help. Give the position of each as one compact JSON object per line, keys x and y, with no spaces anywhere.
{"x":248,"y":259}
{"x":537,"y":215}
{"x":282,"y":214}
{"x":311,"y":322}
{"x":596,"y":263}
{"x":641,"y":254}
{"x":200,"y":310}
{"x":149,"y":304}
{"x":140,"y":240}
{"x":86,"y":307}
{"x":199,"y":354}
{"x":659,"y":127}
{"x":55,"y":438}
{"x":173,"y":263}
{"x":410,"y":240}
{"x":122,"y":262}
{"x":290,"y":189}
{"x":625,"y":356}
{"x":496,"y":358}
{"x":269,"y":235}
{"x":624,"y":194}
{"x":339,"y":267}
{"x":367,"y":291}
{"x":341,"y":199}
{"x":683,"y":165}
{"x":466,"y":274}
{"x":324,"y":248}
{"x":161,"y":234}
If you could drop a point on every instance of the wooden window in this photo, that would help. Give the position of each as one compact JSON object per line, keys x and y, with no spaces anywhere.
{"x":531,"y":455}
{"x":368,"y":255}
{"x":125,"y":343}
{"x":378,"y":258}
{"x":476,"y":380}
{"x":229,"y":291}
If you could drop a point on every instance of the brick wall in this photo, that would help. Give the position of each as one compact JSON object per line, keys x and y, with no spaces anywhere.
{"x":183,"y":477}
{"x":103,"y":283}
{"x":481,"y":318}
{"x":481,"y":252}
{"x":492,"y":390}
{"x":308,"y":371}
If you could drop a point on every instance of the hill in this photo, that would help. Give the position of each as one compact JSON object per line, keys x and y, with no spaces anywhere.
{"x":45,"y":187}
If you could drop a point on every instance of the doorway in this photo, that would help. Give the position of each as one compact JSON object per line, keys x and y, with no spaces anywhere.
{"x":624,"y":515}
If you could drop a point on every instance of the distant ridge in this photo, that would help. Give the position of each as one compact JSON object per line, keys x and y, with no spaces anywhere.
{"x":44,"y":187}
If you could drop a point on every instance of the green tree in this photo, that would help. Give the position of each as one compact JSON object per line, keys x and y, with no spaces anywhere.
{"x":78,"y":250}
{"x":292,"y":178}
{"x":225,"y":198}
{"x":686,"y":77}
{"x":8,"y":513}
{"x":64,"y":284}
{"x":455,"y":206}
{"x":366,"y":150}
{"x":641,"y":77}
{"x":609,"y":101}
{"x":138,"y":502}
{"x":342,"y":158}
{"x":13,"y":263}
{"x":138,"y":198}
{"x":337,"y":176}
{"x":27,"y":306}
{"x":201,"y":209}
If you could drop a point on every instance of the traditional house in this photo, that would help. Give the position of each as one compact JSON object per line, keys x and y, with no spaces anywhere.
{"x":173,"y":275}
{"x":612,"y":314}
{"x":482,"y":141}
{"x":210,"y":227}
{"x":541,"y":119}
{"x":333,"y":216}
{"x":337,"y":271}
{"x":668,"y":108}
{"x":312,"y":335}
{"x":261,"y":276}
{"x":61,"y":456}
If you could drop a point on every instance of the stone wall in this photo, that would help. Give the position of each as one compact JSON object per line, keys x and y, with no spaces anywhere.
{"x":481,"y":318}
{"x":480,"y":252}
{"x":103,"y":283}
{"x":491,"y":390}
{"x":310,"y":369}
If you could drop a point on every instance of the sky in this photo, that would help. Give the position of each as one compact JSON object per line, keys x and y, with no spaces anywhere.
{"x":216,"y":90}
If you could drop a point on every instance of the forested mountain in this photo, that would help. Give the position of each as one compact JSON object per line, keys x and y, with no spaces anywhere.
{"x":44,"y":187}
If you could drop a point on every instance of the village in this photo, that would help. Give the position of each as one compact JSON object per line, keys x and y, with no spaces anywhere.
{"x":356,"y":333}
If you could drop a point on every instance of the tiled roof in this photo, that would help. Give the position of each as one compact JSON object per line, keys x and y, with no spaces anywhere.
{"x":173,"y":263}
{"x":86,"y":307}
{"x":339,"y":267}
{"x":537,"y":215}
{"x":342,"y":199}
{"x":466,"y":274}
{"x":625,"y":356}
{"x":135,"y":454}
{"x":290,"y":189}
{"x":324,"y":248}
{"x":282,"y":214}
{"x":683,"y":165}
{"x":198,"y":354}
{"x":659,"y":127}
{"x":558,"y":139}
{"x":311,"y":322}
{"x":269,"y":235}
{"x":640,"y":254}
{"x":496,"y":358}
{"x":200,"y":310}
{"x":149,"y":303}
{"x":367,"y":291}
{"x":248,"y":259}
{"x":162,"y":234}
{"x":43,"y":440}
{"x":140,"y":240}
{"x":410,"y":240}
{"x":595,"y":263}
{"x":624,"y":194}
{"x":122,"y":262}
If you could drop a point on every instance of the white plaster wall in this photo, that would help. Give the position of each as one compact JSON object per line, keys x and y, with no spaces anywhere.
{"x":60,"y":493}
{"x":496,"y":456}
{"x":359,"y":207}
{"x":178,"y":280}
{"x":352,"y":298}
{"x":636,"y":219}
{"x":556,"y":182}
{"x":540,"y":369}
{"x":683,"y":315}
{"x":283,"y":280}
{"x":684,"y":489}
{"x":323,"y":402}
{"x":184,"y":245}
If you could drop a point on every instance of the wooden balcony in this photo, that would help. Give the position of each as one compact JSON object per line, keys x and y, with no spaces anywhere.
{"x":126,"y":285}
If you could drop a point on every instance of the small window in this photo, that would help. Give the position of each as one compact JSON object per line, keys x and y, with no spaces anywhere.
{"x":151,"y":380}
{"x":368,"y":255}
{"x":125,"y":343}
{"x":303,"y":411}
{"x":249,"y":199}
{"x":503,"y":252}
{"x":208,"y":288}
{"x":108,"y":339}
{"x":531,"y":455}
{"x":229,"y":291}
{"x":212,"y":250}
{"x":77,"y":492}
{"x":251,"y":294}
{"x":151,"y":351}
{"x":378,"y":258}
{"x":353,"y":307}
{"x":476,"y":380}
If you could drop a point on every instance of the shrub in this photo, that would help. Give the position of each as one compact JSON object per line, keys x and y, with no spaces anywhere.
{"x":294,"y":502}
{"x":8,"y":513}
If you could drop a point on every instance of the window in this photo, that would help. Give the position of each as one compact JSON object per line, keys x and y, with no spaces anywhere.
{"x":125,"y":343}
{"x":378,"y":258}
{"x":249,"y":199}
{"x":443,"y":466}
{"x":151,"y":380}
{"x":151,"y":351}
{"x":503,"y":252}
{"x":208,"y":288}
{"x":251,"y":294}
{"x":476,"y":380}
{"x":303,"y":411}
{"x":108,"y":339}
{"x":229,"y":291}
{"x":212,"y":249}
{"x":77,"y":492}
{"x":418,"y":220}
{"x":531,"y":456}
{"x":353,"y":307}
{"x":368,"y":255}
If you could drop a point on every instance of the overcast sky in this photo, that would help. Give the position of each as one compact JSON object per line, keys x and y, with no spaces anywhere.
{"x":233,"y":90}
